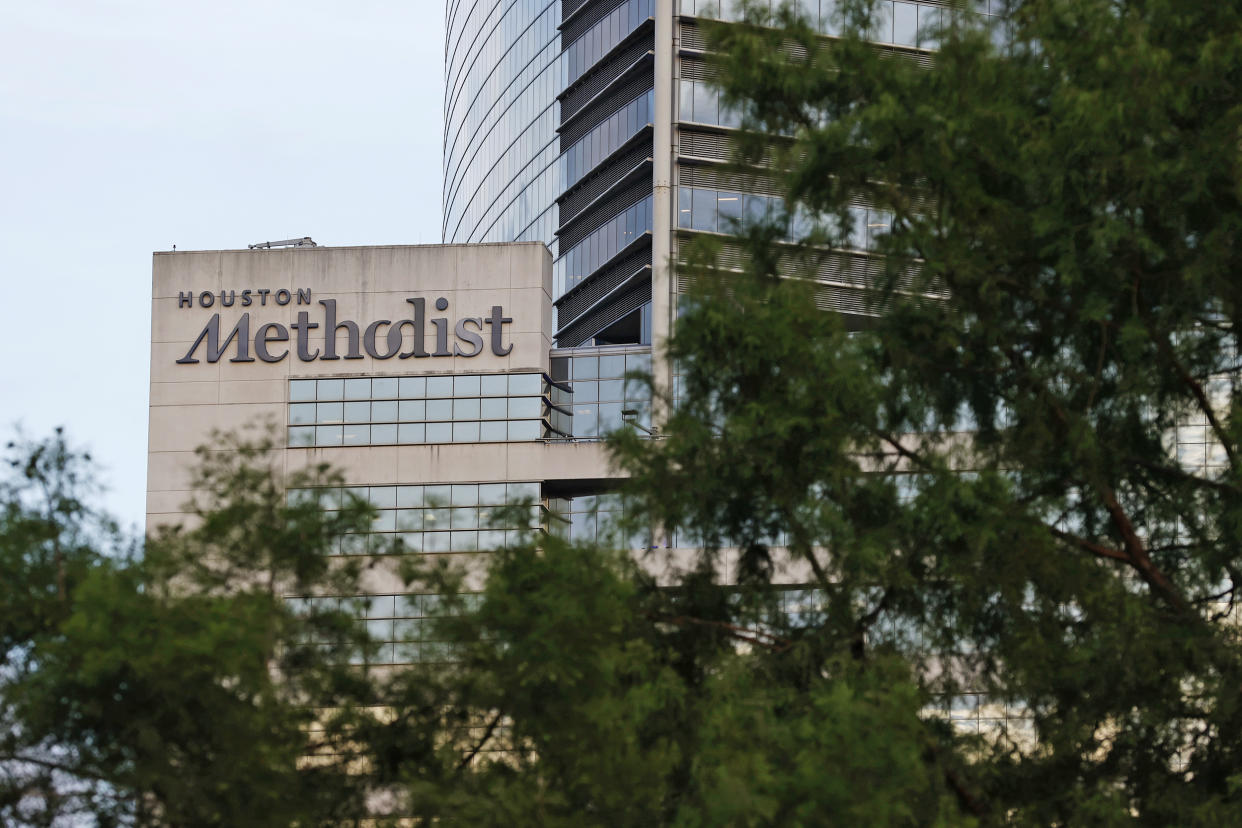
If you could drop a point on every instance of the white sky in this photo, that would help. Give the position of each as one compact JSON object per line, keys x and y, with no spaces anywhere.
{"x":128,"y":126}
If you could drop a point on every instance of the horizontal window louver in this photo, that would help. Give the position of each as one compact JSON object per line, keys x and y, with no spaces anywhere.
{"x":603,"y":107}
{"x":604,"y":178}
{"x":578,"y":301}
{"x":632,"y":297}
{"x":693,"y":69}
{"x":841,"y":270}
{"x":573,"y":232}
{"x":714,"y":146}
{"x":579,"y":15}
{"x":691,"y":36}
{"x":607,"y":71}
{"x":723,"y":178}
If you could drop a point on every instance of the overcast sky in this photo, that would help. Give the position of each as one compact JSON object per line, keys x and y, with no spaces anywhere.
{"x":128,"y":126}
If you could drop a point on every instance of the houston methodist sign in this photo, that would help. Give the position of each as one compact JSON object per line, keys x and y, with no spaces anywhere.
{"x":381,"y":339}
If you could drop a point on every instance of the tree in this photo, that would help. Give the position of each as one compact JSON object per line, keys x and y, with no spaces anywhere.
{"x":1018,"y":474}
{"x":169,"y":686}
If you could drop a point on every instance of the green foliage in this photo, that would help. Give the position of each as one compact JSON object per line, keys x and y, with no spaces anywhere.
{"x":170,"y":688}
{"x":980,"y":474}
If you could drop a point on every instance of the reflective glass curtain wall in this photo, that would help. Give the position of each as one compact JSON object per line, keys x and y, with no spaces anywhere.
{"x":503,"y":71}
{"x":548,"y":123}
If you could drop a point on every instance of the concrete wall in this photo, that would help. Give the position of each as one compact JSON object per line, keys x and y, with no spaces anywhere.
{"x":189,"y":401}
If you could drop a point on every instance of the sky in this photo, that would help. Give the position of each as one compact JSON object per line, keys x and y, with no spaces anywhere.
{"x":131,"y":126}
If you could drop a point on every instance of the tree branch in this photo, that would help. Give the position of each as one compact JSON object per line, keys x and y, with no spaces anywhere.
{"x":1196,"y":389}
{"x":487,"y":737}
{"x":1090,"y":546}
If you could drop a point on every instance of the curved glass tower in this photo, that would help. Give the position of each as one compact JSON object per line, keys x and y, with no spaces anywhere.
{"x":502,"y":63}
{"x":549,"y":118}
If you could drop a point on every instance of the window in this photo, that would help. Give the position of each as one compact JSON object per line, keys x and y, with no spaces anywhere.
{"x":439,"y":409}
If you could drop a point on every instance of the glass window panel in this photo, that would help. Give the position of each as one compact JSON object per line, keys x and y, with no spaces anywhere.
{"x":611,"y":390}
{"x":879,"y":222}
{"x":905,"y":24}
{"x":354,"y":545}
{"x":494,"y":431}
{"x":385,"y":521}
{"x":494,"y":409}
{"x":356,"y":435}
{"x":525,"y":407}
{"x":830,"y":22}
{"x":358,"y":389}
{"x":586,"y":392}
{"x":585,"y":417}
{"x":440,"y":410}
{"x":384,"y":411}
{"x":411,"y":541}
{"x":435,"y":519}
{"x":356,"y":412}
{"x":439,"y":387}
{"x":612,"y":366}
{"x":703,"y":210}
{"x":491,"y":539}
{"x":435,"y":541}
{"x":466,"y":386}
{"x":302,"y":436}
{"x":858,"y":235}
{"x":328,"y":435}
{"x":409,"y":520}
{"x":730,"y":207}
{"x":412,"y":411}
{"x":382,"y":497}
{"x":756,"y":208}
{"x":637,"y":390}
{"x":492,"y":494}
{"x":882,"y":22}
{"x":685,"y":110}
{"x":381,"y":606}
{"x":609,"y":417}
{"x":525,"y":384}
{"x":380,"y":630}
{"x":929,"y":26}
{"x":465,"y":541}
{"x":410,"y":433}
{"x":465,"y":432}
{"x":302,"y":413}
{"x":413,"y":388}
{"x":522,"y":492}
{"x":439,"y":432}
{"x":301,"y":390}
{"x":409,"y":497}
{"x":525,"y":430}
{"x":383,"y":388}
{"x":328,"y":412}
{"x":586,"y":367}
{"x":465,"y":518}
{"x":407,"y":653}
{"x":408,"y":629}
{"x":330,"y":389}
{"x":437,"y":495}
{"x":494,"y":385}
{"x":466,"y":409}
{"x":465,"y":494}
{"x":704,"y":104}
{"x":409,"y":606}
{"x":638,"y":362}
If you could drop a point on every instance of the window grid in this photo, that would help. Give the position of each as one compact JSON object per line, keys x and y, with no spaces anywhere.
{"x":433,"y":519}
{"x":473,"y":408}
{"x":720,"y":211}
{"x":896,"y":21}
{"x":402,"y":627}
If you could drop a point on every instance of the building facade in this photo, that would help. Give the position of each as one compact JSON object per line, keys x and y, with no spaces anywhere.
{"x":426,"y":375}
